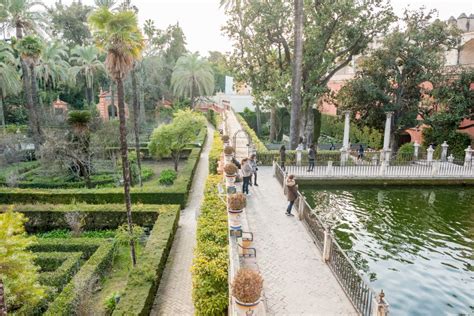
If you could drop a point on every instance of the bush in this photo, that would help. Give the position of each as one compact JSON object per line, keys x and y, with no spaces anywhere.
{"x":45,"y":217}
{"x":247,"y":286}
{"x":237,"y":201}
{"x":225,"y":138}
{"x":167,"y":177}
{"x":230,"y":169}
{"x":228,"y":150}
{"x":211,"y":261}
{"x":215,"y":153}
{"x":61,"y":275}
{"x":144,"y":279}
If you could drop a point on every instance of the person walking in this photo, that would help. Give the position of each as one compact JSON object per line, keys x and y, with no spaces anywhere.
{"x":253,"y":164}
{"x":282,"y":157}
{"x":311,"y":157}
{"x":291,"y":193}
{"x":360,"y":152}
{"x":246,"y":174}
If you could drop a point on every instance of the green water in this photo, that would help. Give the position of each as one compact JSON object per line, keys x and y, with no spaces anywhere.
{"x":414,"y":243}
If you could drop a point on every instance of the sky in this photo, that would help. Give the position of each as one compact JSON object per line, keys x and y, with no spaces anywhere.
{"x":202,"y":20}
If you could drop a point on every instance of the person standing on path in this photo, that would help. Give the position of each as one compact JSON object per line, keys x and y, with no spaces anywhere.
{"x":292,"y":193}
{"x":246,"y":174}
{"x":360,"y":152}
{"x":282,"y":157}
{"x":253,"y":164}
{"x":311,"y":157}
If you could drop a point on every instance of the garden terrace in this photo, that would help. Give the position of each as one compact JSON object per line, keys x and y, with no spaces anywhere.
{"x":151,"y":192}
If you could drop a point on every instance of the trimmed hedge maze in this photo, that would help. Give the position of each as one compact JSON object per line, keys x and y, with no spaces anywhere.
{"x":151,"y":193}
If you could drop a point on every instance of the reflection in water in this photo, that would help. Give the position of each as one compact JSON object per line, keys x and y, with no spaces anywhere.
{"x":416,"y":244}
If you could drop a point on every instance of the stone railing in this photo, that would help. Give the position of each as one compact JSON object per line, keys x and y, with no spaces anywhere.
{"x":357,"y":288}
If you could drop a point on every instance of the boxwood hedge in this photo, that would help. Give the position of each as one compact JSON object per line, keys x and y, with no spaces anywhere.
{"x":45,"y":217}
{"x":151,"y":193}
{"x":61,"y":275}
{"x":144,"y":279}
{"x":215,"y":154}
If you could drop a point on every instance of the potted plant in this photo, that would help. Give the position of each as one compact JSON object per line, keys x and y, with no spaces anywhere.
{"x":225,"y":139}
{"x":235,"y":206}
{"x":228,"y":153}
{"x":247,"y":289}
{"x":230,"y":171}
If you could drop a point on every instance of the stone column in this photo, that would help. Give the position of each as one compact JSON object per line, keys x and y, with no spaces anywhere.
{"x":386,"y":137}
{"x":298,"y":156}
{"x":417,"y":150}
{"x":430,"y":152}
{"x":468,"y":157}
{"x":444,"y":151}
{"x":345,"y":142}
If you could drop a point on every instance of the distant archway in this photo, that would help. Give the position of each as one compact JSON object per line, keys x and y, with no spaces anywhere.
{"x":242,"y":139}
{"x":112,"y":114}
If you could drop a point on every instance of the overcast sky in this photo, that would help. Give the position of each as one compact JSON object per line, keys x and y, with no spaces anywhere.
{"x":201,"y":20}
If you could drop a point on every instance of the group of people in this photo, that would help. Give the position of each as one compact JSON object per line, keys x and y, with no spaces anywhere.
{"x":248,"y":167}
{"x":311,"y":156}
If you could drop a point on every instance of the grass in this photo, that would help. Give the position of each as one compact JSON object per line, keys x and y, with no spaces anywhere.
{"x":117,"y":278}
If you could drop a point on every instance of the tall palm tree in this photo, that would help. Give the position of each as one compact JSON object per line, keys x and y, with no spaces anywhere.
{"x":118,"y":34}
{"x":136,"y":115}
{"x":22,"y":15}
{"x":192,"y":76}
{"x":30,"y":49}
{"x":10,"y":83}
{"x":87,"y":63}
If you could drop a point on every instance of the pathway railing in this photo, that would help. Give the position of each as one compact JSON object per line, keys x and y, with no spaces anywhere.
{"x":357,"y":288}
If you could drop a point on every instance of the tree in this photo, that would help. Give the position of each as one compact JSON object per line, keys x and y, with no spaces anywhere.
{"x":172,"y":139}
{"x":391,"y":77}
{"x":297,"y":76}
{"x":220,"y":69}
{"x":30,"y":49}
{"x":10,"y":83}
{"x":86,"y":62}
{"x":118,"y":34}
{"x":17,"y":269}
{"x":192,"y":76}
{"x":69,"y":22}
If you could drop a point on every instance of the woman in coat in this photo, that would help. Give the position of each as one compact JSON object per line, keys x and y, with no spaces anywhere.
{"x":246,"y":174}
{"x":292,"y":193}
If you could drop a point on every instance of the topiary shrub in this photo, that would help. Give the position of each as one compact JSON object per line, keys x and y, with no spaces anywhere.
{"x":167,"y":177}
{"x":247,"y":286}
{"x":237,"y":201}
{"x":225,"y":138}
{"x":228,"y":150}
{"x":230,"y":169}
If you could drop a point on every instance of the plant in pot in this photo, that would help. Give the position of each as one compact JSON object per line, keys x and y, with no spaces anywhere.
{"x":237,"y":202}
{"x":247,"y":289}
{"x":230,"y":171}
{"x":229,"y":150}
{"x":225,"y":139}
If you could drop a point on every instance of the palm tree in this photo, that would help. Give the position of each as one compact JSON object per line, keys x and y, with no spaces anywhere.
{"x":87,"y":62}
{"x":109,"y":4}
{"x":136,"y":115}
{"x":30,"y":49}
{"x":118,"y":34}
{"x":22,"y":16}
{"x":10,"y":83}
{"x":192,"y":76}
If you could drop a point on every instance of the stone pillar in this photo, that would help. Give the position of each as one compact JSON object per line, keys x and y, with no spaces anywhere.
{"x":329,"y":168}
{"x":347,"y":126}
{"x":430,"y":152}
{"x":327,"y":246}
{"x":298,"y":156}
{"x":386,"y":137}
{"x":468,"y":157}
{"x":374,"y":160}
{"x":444,"y":151}
{"x":416,"y":150}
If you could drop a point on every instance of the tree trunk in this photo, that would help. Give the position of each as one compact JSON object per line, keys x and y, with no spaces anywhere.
{"x":136,"y":115}
{"x":2,"y":114}
{"x":259,"y":121}
{"x":309,"y":128}
{"x":112,"y":99}
{"x":192,"y":95}
{"x":316,"y":126}
{"x":29,"y":102}
{"x":273,"y":128}
{"x":125,"y":165}
{"x":297,"y":76}
{"x":90,"y":96}
{"x":34,"y":96}
{"x":176,"y":161}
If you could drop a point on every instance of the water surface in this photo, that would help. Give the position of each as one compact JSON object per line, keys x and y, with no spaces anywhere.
{"x":414,"y":243}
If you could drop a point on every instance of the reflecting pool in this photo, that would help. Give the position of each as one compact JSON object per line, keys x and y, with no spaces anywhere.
{"x":414,"y":243}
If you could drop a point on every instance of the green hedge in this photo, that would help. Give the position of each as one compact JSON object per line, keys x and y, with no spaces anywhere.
{"x":215,"y":153}
{"x":95,"y":267}
{"x":46,"y":217}
{"x":151,"y":193}
{"x":211,"y":261}
{"x":19,"y":167}
{"x":87,"y":246}
{"x":61,"y":275}
{"x":144,"y":279}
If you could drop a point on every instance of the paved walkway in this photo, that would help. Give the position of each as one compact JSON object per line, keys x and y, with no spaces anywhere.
{"x":174,"y":294}
{"x":296,"y":281}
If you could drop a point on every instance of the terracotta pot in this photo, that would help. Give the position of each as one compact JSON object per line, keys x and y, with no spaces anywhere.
{"x":248,"y":308}
{"x":234,"y":219}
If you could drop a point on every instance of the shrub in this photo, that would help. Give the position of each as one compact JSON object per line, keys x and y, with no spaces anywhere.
{"x":124,"y":237}
{"x":61,"y":275}
{"x":144,"y":279}
{"x":228,"y":150}
{"x":167,"y":177}
{"x":211,"y":261}
{"x":225,"y":138}
{"x":215,"y":153}
{"x":237,"y":201}
{"x":247,"y":286}
{"x":111,"y":302}
{"x":230,"y":169}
